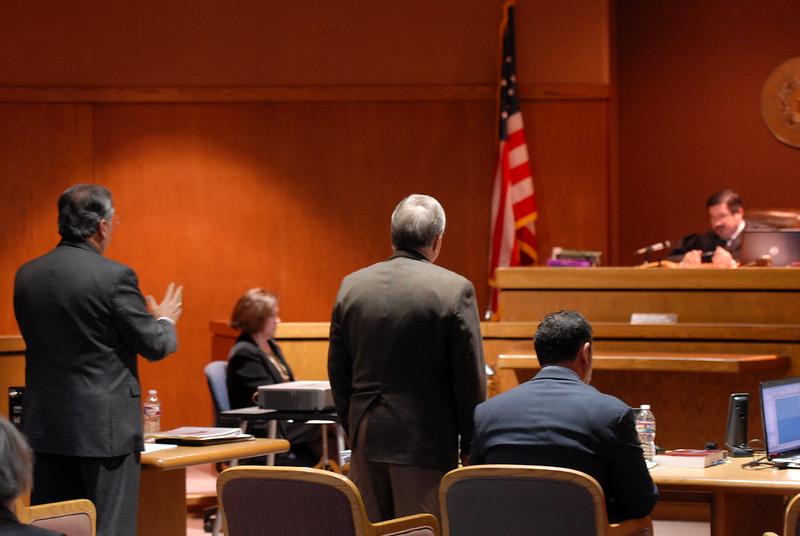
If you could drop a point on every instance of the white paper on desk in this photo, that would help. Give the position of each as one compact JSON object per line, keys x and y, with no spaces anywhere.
{"x":251,"y":410}
{"x":153,"y":447}
{"x":197,"y":432}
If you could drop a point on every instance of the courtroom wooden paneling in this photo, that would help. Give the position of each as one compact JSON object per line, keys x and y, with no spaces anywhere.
{"x":279,"y":94}
{"x":570,"y":169}
{"x":689,"y":79}
{"x":43,"y":149}
{"x":674,"y":395}
{"x":292,"y":188}
{"x":310,"y":43}
{"x":623,"y":278}
{"x":526,"y":365}
{"x":161,"y":510}
{"x":733,"y":311}
{"x":742,"y":296}
{"x":304,"y":345}
{"x":215,"y":197}
{"x":694,"y":307}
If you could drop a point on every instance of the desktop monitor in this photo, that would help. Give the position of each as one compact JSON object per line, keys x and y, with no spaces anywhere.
{"x":782,"y":246}
{"x":780,"y":411}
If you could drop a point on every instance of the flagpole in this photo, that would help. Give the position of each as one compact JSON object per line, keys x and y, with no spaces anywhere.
{"x":501,"y":34}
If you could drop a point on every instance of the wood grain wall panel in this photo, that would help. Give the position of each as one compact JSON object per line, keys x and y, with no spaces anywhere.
{"x":689,"y":306}
{"x":290,"y":196}
{"x":294,"y":193}
{"x":317,"y":42}
{"x":568,"y":142}
{"x":676,"y":395}
{"x":43,"y":149}
{"x":689,"y":78}
{"x":293,"y":197}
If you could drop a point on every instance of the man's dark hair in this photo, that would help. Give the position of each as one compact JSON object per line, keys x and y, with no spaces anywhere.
{"x":81,"y":208}
{"x":730,"y":198}
{"x":560,"y":336}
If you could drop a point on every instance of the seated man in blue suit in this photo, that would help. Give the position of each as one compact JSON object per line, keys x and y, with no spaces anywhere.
{"x":557,"y":419}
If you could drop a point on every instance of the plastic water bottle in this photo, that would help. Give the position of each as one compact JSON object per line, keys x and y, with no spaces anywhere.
{"x":152,"y":413}
{"x":646,"y":429}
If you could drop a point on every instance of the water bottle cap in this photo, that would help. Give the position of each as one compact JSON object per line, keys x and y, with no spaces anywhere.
{"x":154,"y":392}
{"x":645,"y":406}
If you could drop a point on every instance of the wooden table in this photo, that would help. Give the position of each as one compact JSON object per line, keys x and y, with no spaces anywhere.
{"x":524,"y":365}
{"x":744,"y":501}
{"x":162,"y":490}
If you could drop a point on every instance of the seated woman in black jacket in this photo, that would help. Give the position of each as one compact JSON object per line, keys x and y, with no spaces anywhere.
{"x":256,"y":359}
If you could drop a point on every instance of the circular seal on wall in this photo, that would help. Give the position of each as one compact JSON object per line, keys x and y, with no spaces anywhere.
{"x":780,"y":102}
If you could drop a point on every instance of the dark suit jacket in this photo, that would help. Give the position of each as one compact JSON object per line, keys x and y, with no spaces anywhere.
{"x":708,"y":242}
{"x":557,"y":420}
{"x":405,"y":348}
{"x":10,"y":526}
{"x":84,"y":320}
{"x":249,"y":367}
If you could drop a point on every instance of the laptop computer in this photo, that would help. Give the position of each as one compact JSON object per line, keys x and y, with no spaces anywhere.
{"x":783,"y":246}
{"x":780,"y":411}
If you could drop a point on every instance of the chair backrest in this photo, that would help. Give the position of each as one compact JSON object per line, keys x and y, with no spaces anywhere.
{"x":791,"y":524}
{"x":518,"y":499}
{"x":299,"y":501}
{"x":216,"y":374}
{"x":72,"y":518}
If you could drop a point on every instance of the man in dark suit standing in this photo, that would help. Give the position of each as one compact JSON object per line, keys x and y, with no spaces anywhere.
{"x":406,"y":366}
{"x":84,"y":320}
{"x":557,"y":419}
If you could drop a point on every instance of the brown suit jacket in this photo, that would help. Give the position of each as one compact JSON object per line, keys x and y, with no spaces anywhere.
{"x":405,"y":349}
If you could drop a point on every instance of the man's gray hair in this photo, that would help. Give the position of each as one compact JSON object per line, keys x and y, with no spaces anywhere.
{"x":16,"y":462}
{"x":81,"y":208}
{"x":416,"y":222}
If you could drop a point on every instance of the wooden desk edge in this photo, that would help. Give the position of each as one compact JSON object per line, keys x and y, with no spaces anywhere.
{"x":286,"y":330}
{"x":711,"y":363}
{"x":180,"y":457}
{"x":610,"y":278}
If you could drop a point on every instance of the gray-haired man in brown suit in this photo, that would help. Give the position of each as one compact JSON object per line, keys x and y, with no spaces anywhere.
{"x":406,"y":366}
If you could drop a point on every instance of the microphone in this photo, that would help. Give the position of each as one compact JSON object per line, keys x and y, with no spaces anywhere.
{"x":658,"y":246}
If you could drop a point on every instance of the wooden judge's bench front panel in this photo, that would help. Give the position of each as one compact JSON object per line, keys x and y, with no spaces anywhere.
{"x":745,"y":311}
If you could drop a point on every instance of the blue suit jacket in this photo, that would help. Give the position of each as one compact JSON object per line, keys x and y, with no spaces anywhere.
{"x":557,"y":420}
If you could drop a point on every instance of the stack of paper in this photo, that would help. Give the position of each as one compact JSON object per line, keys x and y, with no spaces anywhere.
{"x":200,"y":435}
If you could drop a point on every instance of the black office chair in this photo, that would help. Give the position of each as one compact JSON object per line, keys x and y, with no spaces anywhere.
{"x":528,"y":499}
{"x":216,"y":374}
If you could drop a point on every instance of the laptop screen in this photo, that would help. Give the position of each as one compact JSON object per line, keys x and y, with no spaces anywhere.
{"x":782,"y":246}
{"x":780,"y":410}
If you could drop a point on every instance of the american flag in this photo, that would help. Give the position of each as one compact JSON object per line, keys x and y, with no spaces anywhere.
{"x":513,"y":240}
